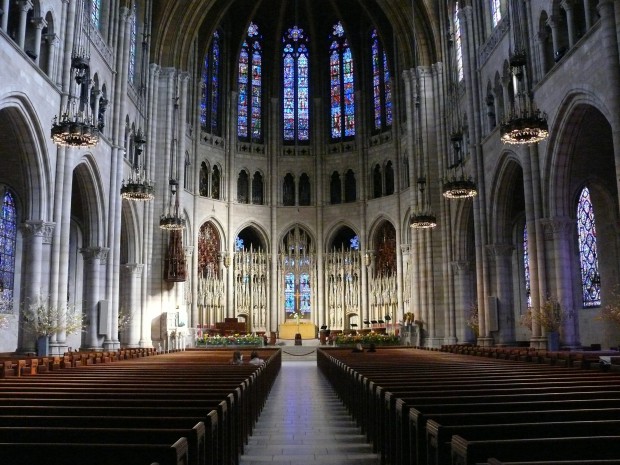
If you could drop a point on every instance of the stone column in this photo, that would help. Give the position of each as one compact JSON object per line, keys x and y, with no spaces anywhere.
{"x":501,"y":254}
{"x":5,"y":15}
{"x":35,"y":234}
{"x":552,"y":22}
{"x":50,"y":68}
{"x":560,"y":231}
{"x":462,"y":271}
{"x":368,"y":259}
{"x":39,"y":24}
{"x":24,"y":7}
{"x":91,"y":298}
{"x":131,"y":333}
{"x":588,"y":13}
{"x":543,"y":35}
{"x":568,"y":7}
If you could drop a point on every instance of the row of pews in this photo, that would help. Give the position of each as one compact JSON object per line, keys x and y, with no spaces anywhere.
{"x":428,"y":407}
{"x":576,"y":359}
{"x":184,"y":408}
{"x":24,"y":365}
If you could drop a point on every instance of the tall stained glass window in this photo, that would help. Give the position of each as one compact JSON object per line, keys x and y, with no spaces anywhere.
{"x":133,"y":43}
{"x":381,"y":84}
{"x":588,"y":256}
{"x":249,"y":113}
{"x":209,"y":102}
{"x":8,"y":236}
{"x":95,"y":13}
{"x":342,"y":88}
{"x":496,"y":13}
{"x":526,"y":267}
{"x":289,"y":293}
{"x":296,"y":86}
{"x":304,"y":293}
{"x":458,"y":42}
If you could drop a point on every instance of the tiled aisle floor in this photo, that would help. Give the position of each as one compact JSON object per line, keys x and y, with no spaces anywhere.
{"x":305,"y":423}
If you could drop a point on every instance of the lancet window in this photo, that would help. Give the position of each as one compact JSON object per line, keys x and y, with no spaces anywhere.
{"x":381,"y":84}
{"x":210,"y":87}
{"x":249,"y":106}
{"x":342,"y":85}
{"x":296,"y":85}
{"x":8,"y":237}
{"x":588,"y":255}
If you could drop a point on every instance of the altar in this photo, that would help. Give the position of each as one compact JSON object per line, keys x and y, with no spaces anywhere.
{"x":289,"y":329}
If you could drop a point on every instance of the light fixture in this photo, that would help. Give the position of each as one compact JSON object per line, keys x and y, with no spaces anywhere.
{"x":138,"y":187}
{"x":525,"y":123}
{"x":76,"y":126}
{"x":458,"y":186}
{"x":423,"y":219}
{"x":171,"y":220}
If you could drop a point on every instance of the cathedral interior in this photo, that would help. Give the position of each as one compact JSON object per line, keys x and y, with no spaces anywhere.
{"x":170,"y":164}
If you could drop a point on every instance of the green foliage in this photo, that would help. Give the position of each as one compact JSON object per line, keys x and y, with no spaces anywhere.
{"x":232,"y":340}
{"x":377,"y":339}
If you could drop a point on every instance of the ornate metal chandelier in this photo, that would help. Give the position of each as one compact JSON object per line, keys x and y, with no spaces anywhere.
{"x":423,"y":218}
{"x":138,"y":187}
{"x":75,"y":126}
{"x":458,"y":187}
{"x":171,"y":220}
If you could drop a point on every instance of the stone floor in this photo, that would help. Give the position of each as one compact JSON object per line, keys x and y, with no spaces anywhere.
{"x":305,"y":423}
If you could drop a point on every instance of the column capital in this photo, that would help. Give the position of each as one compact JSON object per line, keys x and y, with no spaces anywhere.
{"x":460,"y":267}
{"x":52,"y":38}
{"x":405,"y":248}
{"x":558,"y":227}
{"x":553,"y":21}
{"x":95,"y":253}
{"x":567,"y":4}
{"x":24,"y":5}
{"x":499,"y":250}
{"x":39,"y":23}
{"x":134,"y":269}
{"x":36,"y":228}
{"x":189,"y":250}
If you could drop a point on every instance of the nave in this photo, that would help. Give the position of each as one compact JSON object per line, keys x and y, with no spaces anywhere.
{"x":304,"y":422}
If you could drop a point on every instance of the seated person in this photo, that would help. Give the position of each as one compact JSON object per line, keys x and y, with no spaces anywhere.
{"x":358,"y":348}
{"x":237,"y":358}
{"x":255,"y":359}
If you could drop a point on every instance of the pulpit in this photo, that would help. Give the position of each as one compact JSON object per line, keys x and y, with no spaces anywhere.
{"x":174,"y":330}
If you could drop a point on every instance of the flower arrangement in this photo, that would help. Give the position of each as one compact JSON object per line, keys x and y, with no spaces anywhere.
{"x":377,"y":339}
{"x":124,"y":318}
{"x":43,"y":318}
{"x":549,"y":316}
{"x":611,"y":312}
{"x":231,"y":340}
{"x":473,"y":319}
{"x":409,"y":318}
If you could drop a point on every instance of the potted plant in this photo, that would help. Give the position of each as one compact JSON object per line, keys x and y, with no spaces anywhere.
{"x":548,"y":316}
{"x":44,"y":319}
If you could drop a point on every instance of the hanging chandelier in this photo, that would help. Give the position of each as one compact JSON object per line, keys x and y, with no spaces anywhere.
{"x":75,"y":126}
{"x":138,"y":187}
{"x":525,"y":123}
{"x":458,"y":187}
{"x":171,"y":220}
{"x":424,"y":218}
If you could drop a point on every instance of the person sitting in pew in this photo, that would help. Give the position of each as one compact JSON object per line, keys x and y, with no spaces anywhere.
{"x":255,"y":359}
{"x":237,"y":358}
{"x":358,"y":348}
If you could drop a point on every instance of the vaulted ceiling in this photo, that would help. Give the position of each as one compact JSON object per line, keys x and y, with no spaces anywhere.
{"x":179,"y":24}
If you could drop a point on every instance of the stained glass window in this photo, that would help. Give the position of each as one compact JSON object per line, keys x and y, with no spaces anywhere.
{"x":355,"y":243}
{"x":95,"y":13}
{"x":458,"y":42}
{"x":381,"y":84}
{"x":208,"y":250}
{"x":8,"y":236}
{"x":133,"y":41}
{"x":296,"y":86}
{"x":210,"y":87}
{"x":496,"y":13}
{"x":249,"y":113}
{"x":289,"y":292}
{"x":526,"y":267}
{"x":588,"y":257}
{"x":304,"y":293}
{"x":238,"y":244}
{"x":342,"y":86}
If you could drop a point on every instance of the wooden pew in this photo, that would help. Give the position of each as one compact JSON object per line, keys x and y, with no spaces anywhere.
{"x":551,"y":449}
{"x":95,"y":454}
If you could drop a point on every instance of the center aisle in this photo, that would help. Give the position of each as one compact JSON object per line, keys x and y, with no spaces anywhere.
{"x":304,"y":423}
